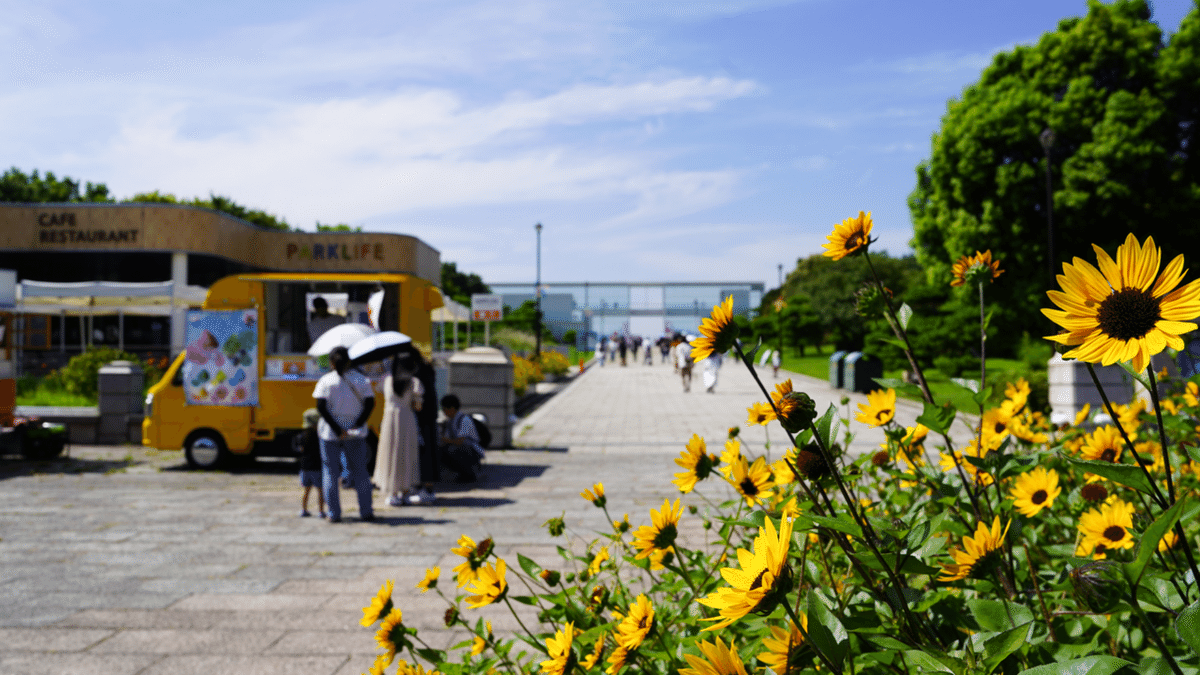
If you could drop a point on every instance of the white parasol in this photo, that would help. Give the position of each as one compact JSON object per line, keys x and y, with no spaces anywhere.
{"x":342,"y":335}
{"x":378,"y":347}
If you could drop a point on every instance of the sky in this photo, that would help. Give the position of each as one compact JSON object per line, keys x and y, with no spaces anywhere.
{"x":697,"y":140}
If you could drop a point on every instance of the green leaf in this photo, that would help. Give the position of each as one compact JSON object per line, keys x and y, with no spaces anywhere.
{"x":523,"y":599}
{"x":899,"y":385}
{"x":1088,"y":665}
{"x":843,"y":523}
{"x":987,"y":320}
{"x":1150,"y":539}
{"x":920,"y":661}
{"x":883,"y":641}
{"x":432,"y":655}
{"x":992,"y":616}
{"x":1187,"y":626}
{"x":1129,"y":475}
{"x":968,"y":384}
{"x":1140,"y":377}
{"x":826,"y":430}
{"x":938,"y":418}
{"x":1192,"y":451}
{"x":750,"y":354}
{"x":904,"y":315}
{"x":997,"y":648}
{"x":531,"y":568}
{"x":825,"y":631}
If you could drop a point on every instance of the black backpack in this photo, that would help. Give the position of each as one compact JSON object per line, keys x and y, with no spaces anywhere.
{"x":482,"y":431}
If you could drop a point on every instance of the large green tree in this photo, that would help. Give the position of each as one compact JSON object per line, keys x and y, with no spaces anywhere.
{"x":1123,"y":109}
{"x":224,"y":205}
{"x":18,"y":186}
{"x":460,"y":286}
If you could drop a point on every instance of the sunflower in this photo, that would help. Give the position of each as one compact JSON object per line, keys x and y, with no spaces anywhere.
{"x":976,"y":553}
{"x":636,"y":624}
{"x":1103,"y":444}
{"x":949,"y":462}
{"x":558,"y":648}
{"x":478,"y":644}
{"x":1168,"y":541}
{"x":1151,"y":453}
{"x":598,"y":497}
{"x":598,"y":560}
{"x":380,"y":665}
{"x":783,"y":647}
{"x":1191,"y":395}
{"x":1106,"y":528}
{"x":1124,"y":310}
{"x":781,"y":472}
{"x":406,"y":668}
{"x":592,"y":659}
{"x":1018,"y":393}
{"x":995,"y":424}
{"x":761,"y":581}
{"x":796,"y":410}
{"x":717,"y":332}
{"x":390,"y":636}
{"x":380,"y":605}
{"x":1022,"y":426}
{"x":879,"y":409}
{"x":851,"y":237}
{"x":697,"y":464}
{"x":490,"y":585}
{"x":730,"y":456}
{"x":430,"y":580}
{"x":660,"y":534}
{"x":718,"y":659}
{"x":975,"y":269}
{"x":759,"y":413}
{"x":752,"y":481}
{"x":621,"y":526}
{"x":1035,"y":490}
{"x":616,"y":660}
{"x":468,"y":570}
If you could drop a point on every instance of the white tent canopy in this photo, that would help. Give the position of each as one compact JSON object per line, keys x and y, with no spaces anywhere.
{"x":106,"y":297}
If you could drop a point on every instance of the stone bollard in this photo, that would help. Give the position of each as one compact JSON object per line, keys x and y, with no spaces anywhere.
{"x":120,"y":388}
{"x":482,"y":378}
{"x":1071,"y":387}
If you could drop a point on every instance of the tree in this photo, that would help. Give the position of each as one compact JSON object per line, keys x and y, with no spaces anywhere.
{"x":340,"y":227}
{"x":1123,"y":109}
{"x":16,"y":186}
{"x":218,"y":203}
{"x":460,"y":286}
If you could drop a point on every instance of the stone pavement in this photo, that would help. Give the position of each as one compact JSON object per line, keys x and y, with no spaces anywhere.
{"x":120,"y":560}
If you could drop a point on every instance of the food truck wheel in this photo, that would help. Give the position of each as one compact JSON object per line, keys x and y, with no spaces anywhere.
{"x":205,"y":449}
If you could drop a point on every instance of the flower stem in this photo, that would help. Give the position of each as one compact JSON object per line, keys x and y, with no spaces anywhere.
{"x":532,"y":637}
{"x":1152,"y":632}
{"x":1038,"y":590}
{"x":800,"y":626}
{"x":1162,"y":441}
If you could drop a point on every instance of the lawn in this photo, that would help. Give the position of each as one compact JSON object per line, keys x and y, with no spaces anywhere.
{"x":816,"y":364}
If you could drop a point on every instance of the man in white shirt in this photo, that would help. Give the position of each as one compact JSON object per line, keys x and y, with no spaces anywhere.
{"x":345,"y":401}
{"x":683,"y":355}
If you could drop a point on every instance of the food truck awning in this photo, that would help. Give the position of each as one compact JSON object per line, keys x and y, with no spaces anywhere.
{"x":450,"y":312}
{"x":106,"y":297}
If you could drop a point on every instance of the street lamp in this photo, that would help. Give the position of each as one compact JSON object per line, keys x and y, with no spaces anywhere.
{"x":537,"y":315}
{"x":1047,"y":139}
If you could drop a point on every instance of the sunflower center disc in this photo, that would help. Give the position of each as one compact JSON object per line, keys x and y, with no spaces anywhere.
{"x":1128,"y":314}
{"x":1109,"y":455}
{"x":749,"y":488}
{"x":1114,"y":533}
{"x":1039,"y":497}
{"x":1000,"y":427}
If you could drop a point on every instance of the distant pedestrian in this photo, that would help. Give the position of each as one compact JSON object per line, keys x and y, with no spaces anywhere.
{"x":776,"y":360}
{"x":345,"y":401}
{"x":664,"y":345}
{"x":308,"y":447}
{"x":601,"y":350}
{"x":397,"y":468}
{"x":683,"y":357}
{"x":623,"y":348}
{"x":649,"y":354}
{"x":712,"y":368}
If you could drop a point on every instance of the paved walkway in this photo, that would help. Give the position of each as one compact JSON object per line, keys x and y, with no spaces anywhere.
{"x":122,"y":561}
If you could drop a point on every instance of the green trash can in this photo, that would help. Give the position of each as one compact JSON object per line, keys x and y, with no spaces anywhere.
{"x":836,"y":369}
{"x":860,"y":372}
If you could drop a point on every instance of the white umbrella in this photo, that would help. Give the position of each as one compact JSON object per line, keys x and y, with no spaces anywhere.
{"x":342,"y":335}
{"x":378,"y":347}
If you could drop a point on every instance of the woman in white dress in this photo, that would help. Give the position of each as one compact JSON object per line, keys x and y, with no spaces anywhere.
{"x":397,"y":470}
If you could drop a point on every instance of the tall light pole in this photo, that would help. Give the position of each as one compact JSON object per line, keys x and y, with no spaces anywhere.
{"x":1047,"y":139}
{"x":781,"y":278}
{"x":537,"y":316}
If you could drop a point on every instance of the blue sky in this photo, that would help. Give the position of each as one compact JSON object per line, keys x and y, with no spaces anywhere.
{"x":703,"y":140}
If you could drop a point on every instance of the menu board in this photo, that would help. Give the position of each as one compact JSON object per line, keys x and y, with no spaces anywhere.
{"x":222,"y":358}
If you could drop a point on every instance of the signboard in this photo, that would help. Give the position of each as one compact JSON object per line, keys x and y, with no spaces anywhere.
{"x":222,"y":358}
{"x":487,"y":307}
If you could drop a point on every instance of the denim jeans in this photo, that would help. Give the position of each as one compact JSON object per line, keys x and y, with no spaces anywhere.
{"x":355,"y":452}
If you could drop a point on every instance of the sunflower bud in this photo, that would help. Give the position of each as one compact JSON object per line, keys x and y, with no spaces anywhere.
{"x":798,"y":410}
{"x":555,"y":526}
{"x":881,"y":458}
{"x":1094,"y":492}
{"x":810,"y":463}
{"x":550,"y":577}
{"x":484,"y":549}
{"x":733,"y":432}
{"x":871,"y":301}
{"x":451,"y":617}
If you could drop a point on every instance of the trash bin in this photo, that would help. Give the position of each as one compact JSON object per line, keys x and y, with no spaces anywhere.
{"x":860,"y":372}
{"x":836,"y":363}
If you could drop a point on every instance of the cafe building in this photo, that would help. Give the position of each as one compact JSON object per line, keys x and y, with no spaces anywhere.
{"x":124,"y":275}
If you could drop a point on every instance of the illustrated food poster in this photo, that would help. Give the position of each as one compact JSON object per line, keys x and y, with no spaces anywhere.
{"x":222,"y":352}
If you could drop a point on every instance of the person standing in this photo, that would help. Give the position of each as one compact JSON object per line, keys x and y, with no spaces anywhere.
{"x":712,"y":368}
{"x":397,"y":472}
{"x":683,"y":356}
{"x":427,"y":447}
{"x":601,"y":350}
{"x":623,"y":348}
{"x":321,"y":320}
{"x":345,"y":401}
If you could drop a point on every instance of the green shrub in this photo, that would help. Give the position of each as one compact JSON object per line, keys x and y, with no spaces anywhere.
{"x":553,"y":363}
{"x":80,"y":373}
{"x":569,"y":337}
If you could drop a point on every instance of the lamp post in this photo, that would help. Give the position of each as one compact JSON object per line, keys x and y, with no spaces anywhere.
{"x":537,"y":290}
{"x":781,"y":278}
{"x":1047,"y":139}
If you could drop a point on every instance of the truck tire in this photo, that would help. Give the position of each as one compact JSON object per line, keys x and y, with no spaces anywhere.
{"x":205,"y":449}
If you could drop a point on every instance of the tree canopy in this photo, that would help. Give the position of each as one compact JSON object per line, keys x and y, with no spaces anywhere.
{"x":17,"y":186}
{"x":1123,"y":109}
{"x":222,"y":204}
{"x":460,"y":286}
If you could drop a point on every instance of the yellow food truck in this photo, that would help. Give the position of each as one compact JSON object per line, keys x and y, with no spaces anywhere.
{"x":242,"y":384}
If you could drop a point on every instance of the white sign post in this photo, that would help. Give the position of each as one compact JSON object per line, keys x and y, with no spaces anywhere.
{"x":487,"y":307}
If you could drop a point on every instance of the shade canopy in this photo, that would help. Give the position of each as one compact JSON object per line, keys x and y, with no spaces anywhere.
{"x":342,"y":335}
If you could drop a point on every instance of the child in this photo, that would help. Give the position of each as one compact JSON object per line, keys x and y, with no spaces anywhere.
{"x":309,"y":448}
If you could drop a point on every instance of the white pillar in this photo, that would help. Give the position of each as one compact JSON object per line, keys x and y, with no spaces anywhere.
{"x":121,"y":330}
{"x":178,"y":313}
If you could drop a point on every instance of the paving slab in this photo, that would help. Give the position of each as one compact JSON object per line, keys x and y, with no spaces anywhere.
{"x":121,"y":560}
